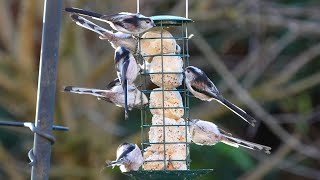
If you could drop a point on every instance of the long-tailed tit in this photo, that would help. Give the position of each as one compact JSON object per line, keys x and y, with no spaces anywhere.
{"x":116,"y":39}
{"x":129,"y":158}
{"x":203,"y":88}
{"x":114,"y":93}
{"x":207,"y":133}
{"x":125,"y":22}
{"x":178,"y":49}
{"x":127,"y":70}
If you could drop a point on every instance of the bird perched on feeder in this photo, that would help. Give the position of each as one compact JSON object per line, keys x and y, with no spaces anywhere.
{"x":129,"y":23}
{"x":127,"y":71}
{"x":116,"y":39}
{"x":207,"y":133}
{"x":178,"y":49}
{"x":114,"y":93}
{"x":203,"y":88}
{"x":129,"y":158}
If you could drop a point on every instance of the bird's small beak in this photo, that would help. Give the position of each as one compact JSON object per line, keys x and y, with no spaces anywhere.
{"x":153,"y":24}
{"x":184,"y":75}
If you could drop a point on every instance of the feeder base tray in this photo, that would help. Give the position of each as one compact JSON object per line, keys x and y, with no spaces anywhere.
{"x":184,"y":174}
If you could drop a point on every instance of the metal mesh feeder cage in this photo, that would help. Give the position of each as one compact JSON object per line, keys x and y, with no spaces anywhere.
{"x":164,"y":126}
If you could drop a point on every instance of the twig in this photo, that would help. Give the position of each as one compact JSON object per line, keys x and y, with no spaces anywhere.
{"x":268,"y":163}
{"x":263,"y":93}
{"x":291,"y":165}
{"x":299,"y":170}
{"x":269,"y":20}
{"x":291,"y":11}
{"x":7,"y":26}
{"x":26,"y":53}
{"x":9,"y":164}
{"x":297,"y":63}
{"x":266,"y":58}
{"x":303,"y":84}
{"x":269,"y":92}
{"x":243,"y":95}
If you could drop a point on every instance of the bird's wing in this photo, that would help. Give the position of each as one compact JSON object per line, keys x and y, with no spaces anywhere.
{"x":83,"y":12}
{"x":224,"y":132}
{"x":113,"y":83}
{"x":203,"y":91}
{"x":105,"y":99}
{"x":116,"y":17}
{"x":204,"y":85}
{"x":124,"y":153}
{"x":122,"y":35}
{"x":202,"y":88}
{"x":121,"y":54}
{"x":123,"y":71}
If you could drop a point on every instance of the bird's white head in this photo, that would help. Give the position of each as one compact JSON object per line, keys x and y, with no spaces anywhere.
{"x":192,"y":72}
{"x":146,"y":23}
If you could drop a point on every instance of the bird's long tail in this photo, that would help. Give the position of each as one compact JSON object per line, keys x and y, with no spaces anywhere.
{"x":80,"y":90}
{"x":83,"y":12}
{"x":126,"y":109}
{"x":83,"y":22}
{"x":235,"y":142}
{"x":236,"y":110}
{"x":124,"y":84}
{"x":111,"y":163}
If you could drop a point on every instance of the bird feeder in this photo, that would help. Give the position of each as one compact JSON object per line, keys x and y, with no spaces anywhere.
{"x":164,"y":127}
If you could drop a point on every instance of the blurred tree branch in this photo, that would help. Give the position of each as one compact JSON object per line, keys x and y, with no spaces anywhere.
{"x":267,"y":164}
{"x":7,"y":26}
{"x":243,"y":95}
{"x":26,"y":52}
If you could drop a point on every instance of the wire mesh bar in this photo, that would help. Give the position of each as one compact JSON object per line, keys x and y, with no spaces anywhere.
{"x":176,"y":38}
{"x":154,"y":55}
{"x":148,"y":73}
{"x":163,"y":110}
{"x":168,"y":175}
{"x":165,"y":90}
{"x":181,"y":37}
{"x":147,"y":143}
{"x":168,"y":125}
{"x":163,"y":22}
{"x":46,"y":87}
{"x":185,"y":50}
{"x":24,"y":124}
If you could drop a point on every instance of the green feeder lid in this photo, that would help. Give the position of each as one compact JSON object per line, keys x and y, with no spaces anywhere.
{"x":169,"y":20}
{"x":170,"y":175}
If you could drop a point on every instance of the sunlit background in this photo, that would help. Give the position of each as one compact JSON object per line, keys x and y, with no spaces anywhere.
{"x":270,"y":47}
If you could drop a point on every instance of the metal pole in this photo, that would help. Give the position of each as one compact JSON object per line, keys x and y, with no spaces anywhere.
{"x":138,"y":6}
{"x":46,"y":87}
{"x":187,"y":9}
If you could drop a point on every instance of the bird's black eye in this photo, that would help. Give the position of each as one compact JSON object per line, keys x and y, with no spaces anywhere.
{"x":188,"y":71}
{"x":147,"y":21}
